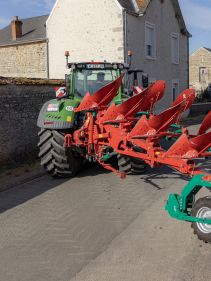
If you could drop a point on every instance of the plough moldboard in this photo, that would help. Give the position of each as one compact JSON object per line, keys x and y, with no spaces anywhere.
{"x":111,"y":129}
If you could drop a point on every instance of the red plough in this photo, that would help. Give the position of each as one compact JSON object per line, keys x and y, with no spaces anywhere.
{"x":118,"y":130}
{"x":113,"y":129}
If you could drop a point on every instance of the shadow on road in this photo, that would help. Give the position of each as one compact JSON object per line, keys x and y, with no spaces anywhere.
{"x":161,"y":173}
{"x":27,"y":191}
{"x":164,"y":172}
{"x":23,"y":192}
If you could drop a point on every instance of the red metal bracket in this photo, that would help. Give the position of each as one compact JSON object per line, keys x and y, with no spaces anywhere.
{"x":68,"y":140}
{"x":110,"y":168}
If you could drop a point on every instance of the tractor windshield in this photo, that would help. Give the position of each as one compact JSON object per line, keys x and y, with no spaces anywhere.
{"x":92,"y":80}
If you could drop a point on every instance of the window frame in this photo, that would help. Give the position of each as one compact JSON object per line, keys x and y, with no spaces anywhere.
{"x":175,"y":35}
{"x":175,"y":81}
{"x":149,"y":25}
{"x":200,"y":74}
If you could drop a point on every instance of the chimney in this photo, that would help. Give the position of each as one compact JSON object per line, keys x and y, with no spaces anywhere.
{"x":16,"y":26}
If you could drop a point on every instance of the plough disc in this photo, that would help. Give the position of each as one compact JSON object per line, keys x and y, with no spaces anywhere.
{"x":206,"y":124}
{"x":188,"y":96}
{"x":163,"y":121}
{"x":141,"y":102}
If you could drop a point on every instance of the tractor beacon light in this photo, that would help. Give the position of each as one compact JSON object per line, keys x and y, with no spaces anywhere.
{"x":67,"y":54}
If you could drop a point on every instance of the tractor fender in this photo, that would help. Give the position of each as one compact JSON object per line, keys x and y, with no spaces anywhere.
{"x":58,"y":114}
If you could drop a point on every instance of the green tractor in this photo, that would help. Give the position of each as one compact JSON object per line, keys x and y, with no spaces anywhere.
{"x":57,"y":117}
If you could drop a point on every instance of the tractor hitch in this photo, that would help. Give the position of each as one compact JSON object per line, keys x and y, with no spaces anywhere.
{"x":178,"y":205}
{"x":173,"y":208}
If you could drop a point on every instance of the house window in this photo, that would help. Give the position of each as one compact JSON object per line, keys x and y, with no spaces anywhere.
{"x":175,"y":89}
{"x":150,"y":40}
{"x":202,"y":74}
{"x":175,"y":48}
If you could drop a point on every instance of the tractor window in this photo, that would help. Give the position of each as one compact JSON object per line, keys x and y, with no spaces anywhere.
{"x":92,"y":80}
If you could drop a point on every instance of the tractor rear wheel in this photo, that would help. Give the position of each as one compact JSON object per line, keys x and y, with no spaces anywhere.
{"x":202,"y":209}
{"x":57,"y":160}
{"x":130,"y":165}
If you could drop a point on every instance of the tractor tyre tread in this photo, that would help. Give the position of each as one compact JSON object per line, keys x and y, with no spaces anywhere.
{"x":45,"y":149}
{"x":202,"y":202}
{"x":130,"y":165}
{"x":44,"y":138}
{"x":55,"y":158}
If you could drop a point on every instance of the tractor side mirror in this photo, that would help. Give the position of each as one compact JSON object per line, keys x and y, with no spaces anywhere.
{"x":145,"y":81}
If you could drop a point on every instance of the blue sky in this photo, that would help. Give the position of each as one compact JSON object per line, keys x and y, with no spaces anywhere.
{"x":197,"y":14}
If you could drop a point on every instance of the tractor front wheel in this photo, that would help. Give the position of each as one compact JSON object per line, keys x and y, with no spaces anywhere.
{"x":202,"y":209}
{"x":57,"y":160}
{"x":130,"y":165}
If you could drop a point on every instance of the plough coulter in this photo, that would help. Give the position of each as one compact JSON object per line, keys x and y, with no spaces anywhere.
{"x":131,"y":133}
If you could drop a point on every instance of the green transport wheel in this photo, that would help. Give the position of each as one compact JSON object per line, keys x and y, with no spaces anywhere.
{"x":130,"y":165}
{"x":57,"y":160}
{"x":202,"y":209}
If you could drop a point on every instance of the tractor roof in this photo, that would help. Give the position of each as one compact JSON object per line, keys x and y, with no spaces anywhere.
{"x":97,"y":65}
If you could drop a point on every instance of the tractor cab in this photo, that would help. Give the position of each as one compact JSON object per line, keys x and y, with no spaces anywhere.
{"x":83,"y":78}
{"x":92,"y":76}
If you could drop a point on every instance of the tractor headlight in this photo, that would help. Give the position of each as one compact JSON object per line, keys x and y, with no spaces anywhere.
{"x":53,"y":107}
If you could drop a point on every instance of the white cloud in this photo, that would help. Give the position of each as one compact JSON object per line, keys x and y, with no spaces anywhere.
{"x":196,"y":15}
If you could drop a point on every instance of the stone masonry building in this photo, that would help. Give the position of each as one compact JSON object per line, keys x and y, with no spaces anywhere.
{"x":23,"y":48}
{"x":96,"y":30}
{"x":99,"y":30}
{"x":200,"y":70}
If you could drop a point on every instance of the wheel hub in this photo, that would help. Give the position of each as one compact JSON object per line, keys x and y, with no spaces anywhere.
{"x":204,"y":213}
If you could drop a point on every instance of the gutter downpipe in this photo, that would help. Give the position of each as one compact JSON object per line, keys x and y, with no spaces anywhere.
{"x":47,"y":59}
{"x":125,"y":35}
{"x":125,"y":12}
{"x":188,"y":51}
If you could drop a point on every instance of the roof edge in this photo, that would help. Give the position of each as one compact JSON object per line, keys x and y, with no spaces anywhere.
{"x":46,"y":15}
{"x":200,"y":48}
{"x":24,"y":42}
{"x":180,"y":18}
{"x":52,"y":11}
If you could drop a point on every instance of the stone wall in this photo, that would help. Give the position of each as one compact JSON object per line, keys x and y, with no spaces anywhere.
{"x":200,"y":58}
{"x":19,"y":108}
{"x":27,"y":60}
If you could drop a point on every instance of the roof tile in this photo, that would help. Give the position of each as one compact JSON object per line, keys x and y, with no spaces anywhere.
{"x":33,"y":29}
{"x":142,"y":4}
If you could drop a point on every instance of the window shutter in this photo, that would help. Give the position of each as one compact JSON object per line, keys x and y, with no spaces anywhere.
{"x":175,"y":48}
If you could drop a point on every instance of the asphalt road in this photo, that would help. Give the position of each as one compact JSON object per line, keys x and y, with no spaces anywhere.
{"x":97,"y":227}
